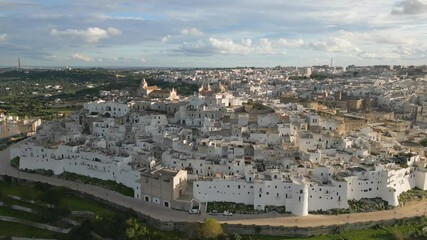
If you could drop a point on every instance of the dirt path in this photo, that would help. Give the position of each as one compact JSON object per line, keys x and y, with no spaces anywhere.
{"x":416,"y":208}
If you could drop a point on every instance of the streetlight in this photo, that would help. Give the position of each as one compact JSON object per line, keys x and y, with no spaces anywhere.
{"x":161,"y":190}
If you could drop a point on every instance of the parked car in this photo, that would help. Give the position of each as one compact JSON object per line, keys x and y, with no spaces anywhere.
{"x":193,"y":211}
{"x":213,"y":212}
{"x":227,"y":213}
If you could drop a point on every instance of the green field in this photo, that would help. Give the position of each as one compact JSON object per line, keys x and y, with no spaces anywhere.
{"x":108,"y":222}
{"x":23,"y":191}
{"x":79,"y":204}
{"x":21,"y":230}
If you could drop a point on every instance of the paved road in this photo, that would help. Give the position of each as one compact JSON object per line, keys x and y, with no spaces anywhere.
{"x":165,"y":214}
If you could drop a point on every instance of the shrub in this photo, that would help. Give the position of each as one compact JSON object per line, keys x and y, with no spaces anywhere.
{"x":15,"y":162}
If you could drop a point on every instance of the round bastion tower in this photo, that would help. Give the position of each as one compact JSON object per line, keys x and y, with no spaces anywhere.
{"x":300,"y":200}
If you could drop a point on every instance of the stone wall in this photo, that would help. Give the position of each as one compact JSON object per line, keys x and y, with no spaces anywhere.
{"x":309,"y":231}
{"x":239,"y":228}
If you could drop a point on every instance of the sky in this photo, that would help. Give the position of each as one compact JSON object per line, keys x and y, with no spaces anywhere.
{"x":212,"y":33}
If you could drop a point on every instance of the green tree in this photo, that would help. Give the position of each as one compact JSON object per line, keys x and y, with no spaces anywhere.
{"x":110,"y":226}
{"x":395,"y":234}
{"x":233,"y":236}
{"x":15,"y":162}
{"x":81,"y":232}
{"x":52,"y":196}
{"x":210,"y":229}
{"x":136,"y":230}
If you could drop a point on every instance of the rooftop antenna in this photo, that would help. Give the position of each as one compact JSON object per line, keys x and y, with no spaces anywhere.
{"x":19,"y":64}
{"x":332,"y":61}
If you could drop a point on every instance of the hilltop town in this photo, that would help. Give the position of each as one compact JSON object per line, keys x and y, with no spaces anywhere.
{"x":305,"y":139}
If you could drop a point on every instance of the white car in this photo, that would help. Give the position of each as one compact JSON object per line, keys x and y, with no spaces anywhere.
{"x":193,"y":211}
{"x":213,"y":212}
{"x":227,"y":213}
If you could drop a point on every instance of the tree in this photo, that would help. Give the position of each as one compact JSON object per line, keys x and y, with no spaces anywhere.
{"x":52,"y":196}
{"x":136,"y":230}
{"x":15,"y":162}
{"x":210,"y":229}
{"x":396,"y":234}
{"x":110,"y":226}
{"x":191,"y":230}
{"x":233,"y":236}
{"x":81,"y":232}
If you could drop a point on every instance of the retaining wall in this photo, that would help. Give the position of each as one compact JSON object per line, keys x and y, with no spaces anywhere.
{"x":240,"y":228}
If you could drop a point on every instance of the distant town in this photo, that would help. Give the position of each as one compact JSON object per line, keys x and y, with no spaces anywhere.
{"x":302,"y":139}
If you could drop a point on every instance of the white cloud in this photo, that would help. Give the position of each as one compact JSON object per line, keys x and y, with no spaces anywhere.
{"x":380,"y":55}
{"x":141,"y":59}
{"x":367,"y":55}
{"x":79,"y":57}
{"x":113,"y":31}
{"x":245,"y":46}
{"x":411,"y":51}
{"x":378,"y":37}
{"x":410,"y":7}
{"x":166,"y":38}
{"x":126,"y":59}
{"x":90,"y":35}
{"x":228,"y":46}
{"x":265,"y":47}
{"x":191,"y":32}
{"x":333,"y":44}
{"x":294,"y":43}
{"x":50,"y":57}
{"x":3,"y":37}
{"x":136,"y":18}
